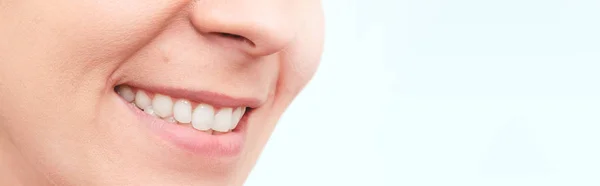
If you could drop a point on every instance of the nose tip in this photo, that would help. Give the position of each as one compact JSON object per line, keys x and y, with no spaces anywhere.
{"x":258,"y":30}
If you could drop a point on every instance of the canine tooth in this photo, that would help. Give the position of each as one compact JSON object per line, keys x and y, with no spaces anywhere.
{"x":182,"y":111}
{"x":203,"y":117}
{"x":150,"y":111}
{"x":170,"y":119}
{"x":126,"y":93}
{"x":237,"y":115}
{"x":223,"y":120}
{"x":142,"y":100}
{"x":163,"y":105}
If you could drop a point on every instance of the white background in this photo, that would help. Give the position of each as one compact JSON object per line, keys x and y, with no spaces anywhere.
{"x":444,"y":93}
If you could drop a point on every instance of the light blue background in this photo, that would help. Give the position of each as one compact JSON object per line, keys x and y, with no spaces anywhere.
{"x":444,"y":93}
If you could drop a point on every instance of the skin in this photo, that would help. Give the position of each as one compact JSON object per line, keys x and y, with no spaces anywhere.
{"x":61,"y":122}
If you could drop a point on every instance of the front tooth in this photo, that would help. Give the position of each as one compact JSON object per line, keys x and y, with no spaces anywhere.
{"x":126,"y":92}
{"x":142,"y":100}
{"x":237,"y":115}
{"x":163,"y":105}
{"x":223,"y":120}
{"x":182,"y":111}
{"x":203,"y":117}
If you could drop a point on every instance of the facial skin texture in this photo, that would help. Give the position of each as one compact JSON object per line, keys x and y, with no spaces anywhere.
{"x":61,"y":122}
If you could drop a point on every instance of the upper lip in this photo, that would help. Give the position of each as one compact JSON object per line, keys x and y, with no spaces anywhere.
{"x":200,"y":96}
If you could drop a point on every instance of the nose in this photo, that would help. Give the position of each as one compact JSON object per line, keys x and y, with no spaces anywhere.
{"x":258,"y":28}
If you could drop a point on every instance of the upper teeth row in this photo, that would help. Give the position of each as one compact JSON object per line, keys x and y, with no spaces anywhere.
{"x":203,"y":117}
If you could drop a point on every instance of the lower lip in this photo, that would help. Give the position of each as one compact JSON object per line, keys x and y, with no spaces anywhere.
{"x":192,"y":140}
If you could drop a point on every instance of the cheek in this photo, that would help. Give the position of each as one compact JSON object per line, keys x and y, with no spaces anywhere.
{"x":57,"y":58}
{"x":303,"y":58}
{"x":110,"y":31}
{"x":73,"y":46}
{"x":72,"y":38}
{"x":299,"y":63}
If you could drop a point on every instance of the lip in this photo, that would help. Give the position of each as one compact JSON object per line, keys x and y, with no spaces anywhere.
{"x":191,"y":140}
{"x":211,"y":98}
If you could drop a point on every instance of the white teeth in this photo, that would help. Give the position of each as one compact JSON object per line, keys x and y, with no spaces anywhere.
{"x":203,"y":117}
{"x":126,"y":93}
{"x":150,"y":111}
{"x":163,"y":105}
{"x":142,"y":100}
{"x":182,"y":111}
{"x":223,"y":120}
{"x":237,"y":115}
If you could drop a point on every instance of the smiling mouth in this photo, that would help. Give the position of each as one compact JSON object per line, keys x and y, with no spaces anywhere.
{"x":196,"y":115}
{"x":199,"y":122}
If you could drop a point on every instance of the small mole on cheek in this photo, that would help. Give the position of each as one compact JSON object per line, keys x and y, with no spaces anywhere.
{"x":165,"y":59}
{"x":164,"y":54}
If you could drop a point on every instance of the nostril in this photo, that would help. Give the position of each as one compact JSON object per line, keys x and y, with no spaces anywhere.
{"x":232,"y":36}
{"x":235,"y":37}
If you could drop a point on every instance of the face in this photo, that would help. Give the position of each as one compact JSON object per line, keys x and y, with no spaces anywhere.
{"x":150,"y":92}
